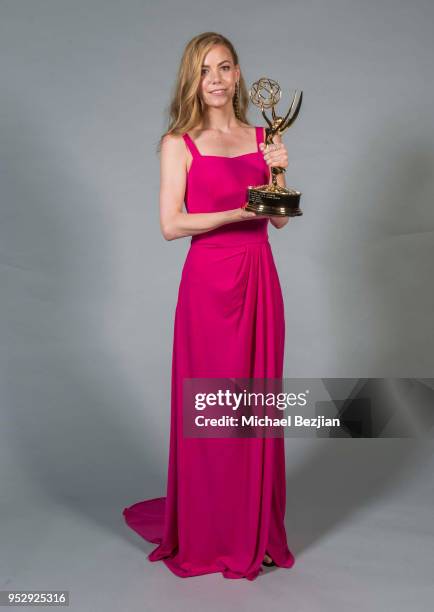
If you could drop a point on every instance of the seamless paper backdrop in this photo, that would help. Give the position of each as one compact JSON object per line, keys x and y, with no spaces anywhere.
{"x":88,"y":285}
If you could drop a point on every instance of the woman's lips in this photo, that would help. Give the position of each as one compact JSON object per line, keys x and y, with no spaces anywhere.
{"x":219,"y":92}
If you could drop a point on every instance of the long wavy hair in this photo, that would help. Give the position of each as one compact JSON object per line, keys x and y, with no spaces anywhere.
{"x":185,"y":110}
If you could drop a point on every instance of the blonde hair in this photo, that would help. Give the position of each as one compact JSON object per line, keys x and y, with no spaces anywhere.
{"x":185,"y":110}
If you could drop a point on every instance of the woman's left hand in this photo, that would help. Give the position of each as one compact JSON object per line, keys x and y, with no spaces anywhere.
{"x":275,"y":154}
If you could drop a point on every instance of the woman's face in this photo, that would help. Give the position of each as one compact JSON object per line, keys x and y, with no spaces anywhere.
{"x":219,"y":77}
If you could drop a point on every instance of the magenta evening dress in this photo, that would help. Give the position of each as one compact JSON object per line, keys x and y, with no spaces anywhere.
{"x":225,"y":500}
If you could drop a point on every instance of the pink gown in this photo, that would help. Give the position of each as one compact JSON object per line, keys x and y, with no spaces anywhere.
{"x":225,"y":501}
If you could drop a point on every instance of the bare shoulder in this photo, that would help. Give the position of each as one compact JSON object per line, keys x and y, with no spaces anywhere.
{"x":172,"y":143}
{"x":247,"y":127}
{"x":174,"y":151}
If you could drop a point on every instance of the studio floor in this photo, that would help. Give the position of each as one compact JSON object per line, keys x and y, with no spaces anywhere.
{"x":359,"y":521}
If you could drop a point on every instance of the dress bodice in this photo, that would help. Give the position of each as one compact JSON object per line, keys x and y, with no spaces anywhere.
{"x":216,"y":183}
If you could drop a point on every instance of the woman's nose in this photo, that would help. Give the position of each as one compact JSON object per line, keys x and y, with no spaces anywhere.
{"x":215,"y":78}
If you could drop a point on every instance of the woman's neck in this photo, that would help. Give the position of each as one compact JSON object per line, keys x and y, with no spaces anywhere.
{"x":220,"y":120}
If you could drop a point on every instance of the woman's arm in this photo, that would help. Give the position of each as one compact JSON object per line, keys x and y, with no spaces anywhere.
{"x":174,"y":222}
{"x":278,"y":221}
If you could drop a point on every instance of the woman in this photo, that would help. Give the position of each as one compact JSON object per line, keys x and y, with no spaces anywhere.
{"x":225,"y":504}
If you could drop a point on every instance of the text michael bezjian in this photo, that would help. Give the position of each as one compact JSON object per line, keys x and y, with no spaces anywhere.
{"x":266,"y":421}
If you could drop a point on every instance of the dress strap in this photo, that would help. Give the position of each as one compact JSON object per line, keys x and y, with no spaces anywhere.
{"x":190,"y":144}
{"x":259,"y":135}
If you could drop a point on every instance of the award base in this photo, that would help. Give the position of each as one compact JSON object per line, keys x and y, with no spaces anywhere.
{"x":271,"y":201}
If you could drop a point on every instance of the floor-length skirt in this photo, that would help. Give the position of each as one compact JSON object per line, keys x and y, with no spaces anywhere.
{"x":225,"y":501}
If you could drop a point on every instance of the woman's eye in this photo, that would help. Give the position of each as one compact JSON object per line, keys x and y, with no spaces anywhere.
{"x":204,"y":70}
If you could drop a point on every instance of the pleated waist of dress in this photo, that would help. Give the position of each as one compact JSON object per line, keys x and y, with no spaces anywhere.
{"x":216,"y":243}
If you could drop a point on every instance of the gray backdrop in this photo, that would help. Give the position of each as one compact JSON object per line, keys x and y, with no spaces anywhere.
{"x":89,"y":287}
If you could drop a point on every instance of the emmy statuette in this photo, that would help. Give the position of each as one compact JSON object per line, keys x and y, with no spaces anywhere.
{"x":272,"y":199}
